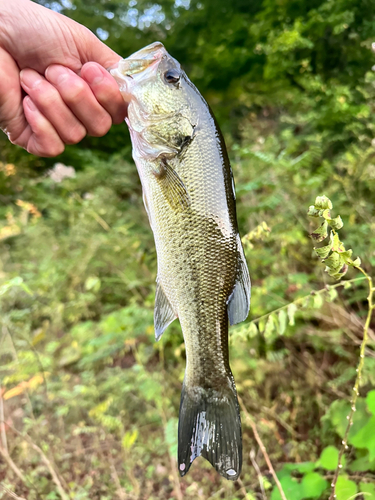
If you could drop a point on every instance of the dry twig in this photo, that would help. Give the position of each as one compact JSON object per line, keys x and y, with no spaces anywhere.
{"x":11,"y":493}
{"x":4,"y":453}
{"x":48,"y":464}
{"x":259,"y":474}
{"x":263,"y":448}
{"x":120,"y":490}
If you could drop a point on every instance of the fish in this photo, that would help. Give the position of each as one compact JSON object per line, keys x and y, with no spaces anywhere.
{"x":202,"y":274}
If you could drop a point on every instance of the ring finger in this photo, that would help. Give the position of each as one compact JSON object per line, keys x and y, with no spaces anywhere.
{"x":49,"y":102}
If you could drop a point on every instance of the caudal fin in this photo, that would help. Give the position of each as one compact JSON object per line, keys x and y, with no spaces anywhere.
{"x":210,"y":426}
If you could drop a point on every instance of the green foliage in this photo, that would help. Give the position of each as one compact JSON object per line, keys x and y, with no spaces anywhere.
{"x":292,"y":87}
{"x":329,"y":458}
{"x":345,"y":488}
{"x":334,"y":255}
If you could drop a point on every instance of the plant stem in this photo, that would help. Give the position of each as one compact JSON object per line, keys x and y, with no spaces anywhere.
{"x":11,"y":493}
{"x":262,"y":447}
{"x":46,"y":461}
{"x":301,"y":299}
{"x":353,"y":401}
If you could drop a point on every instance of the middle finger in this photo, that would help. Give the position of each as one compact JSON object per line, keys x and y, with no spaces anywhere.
{"x":78,"y":96}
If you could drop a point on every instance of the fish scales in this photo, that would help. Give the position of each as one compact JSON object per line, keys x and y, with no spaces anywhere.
{"x":202,"y":275}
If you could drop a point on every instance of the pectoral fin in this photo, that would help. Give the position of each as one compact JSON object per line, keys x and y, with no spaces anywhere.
{"x":172,"y":186}
{"x":163,"y":312}
{"x":239,"y":300}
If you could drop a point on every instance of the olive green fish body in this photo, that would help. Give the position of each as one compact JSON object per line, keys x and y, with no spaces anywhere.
{"x":202,"y":274}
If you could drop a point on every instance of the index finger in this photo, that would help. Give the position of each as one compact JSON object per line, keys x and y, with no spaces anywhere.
{"x":106,"y":90}
{"x":12,"y":118}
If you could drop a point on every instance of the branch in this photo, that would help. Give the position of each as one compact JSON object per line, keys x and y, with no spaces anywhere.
{"x":48,"y":464}
{"x":4,"y":453}
{"x":353,"y":401}
{"x":259,"y":474}
{"x":11,"y":493}
{"x":262,"y":447}
{"x":301,"y":299}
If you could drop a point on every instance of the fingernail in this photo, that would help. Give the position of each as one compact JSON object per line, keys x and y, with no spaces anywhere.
{"x":93,"y":75}
{"x":57,"y":74}
{"x":30,"y":78}
{"x":30,"y":103}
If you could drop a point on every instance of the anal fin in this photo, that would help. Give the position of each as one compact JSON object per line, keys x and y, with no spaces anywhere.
{"x":239,"y":300}
{"x":163,"y":312}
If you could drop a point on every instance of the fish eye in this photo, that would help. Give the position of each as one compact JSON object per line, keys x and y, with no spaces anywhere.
{"x":172,"y":76}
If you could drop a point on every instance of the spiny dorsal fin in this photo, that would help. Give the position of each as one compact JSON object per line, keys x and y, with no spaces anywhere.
{"x":239,"y":300}
{"x":172,"y":186}
{"x":163,"y":312}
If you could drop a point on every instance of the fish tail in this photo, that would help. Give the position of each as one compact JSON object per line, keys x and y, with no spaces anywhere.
{"x":210,"y":426}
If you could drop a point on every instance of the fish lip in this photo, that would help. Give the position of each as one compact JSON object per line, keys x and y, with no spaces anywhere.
{"x":146,"y":58}
{"x":154,"y":51}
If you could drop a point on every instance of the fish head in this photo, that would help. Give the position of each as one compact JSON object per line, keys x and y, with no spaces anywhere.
{"x":155,"y":86}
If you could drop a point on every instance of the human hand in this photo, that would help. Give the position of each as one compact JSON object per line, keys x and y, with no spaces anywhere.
{"x":60,"y":65}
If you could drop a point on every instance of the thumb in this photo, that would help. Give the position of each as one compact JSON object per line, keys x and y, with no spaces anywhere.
{"x":93,"y":50}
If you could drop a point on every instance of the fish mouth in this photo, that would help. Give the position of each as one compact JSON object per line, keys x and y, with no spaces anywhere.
{"x":146,"y":58}
{"x":152,"y":52}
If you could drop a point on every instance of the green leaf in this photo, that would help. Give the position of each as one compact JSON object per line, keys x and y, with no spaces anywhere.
{"x":336,"y":223}
{"x":270,"y":326}
{"x":365,"y":437}
{"x":302,"y":467}
{"x":368,"y":489}
{"x":282,"y":321}
{"x":332,"y":294}
{"x":320,"y":232}
{"x":337,"y":245}
{"x":262,"y":324}
{"x":345,"y":488}
{"x":338,"y":412}
{"x":347,"y":256}
{"x":334,"y":262}
{"x":292,"y":308}
{"x":292,"y":488}
{"x":362,"y":464}
{"x":318,"y":300}
{"x":313,"y":485}
{"x":322,"y":202}
{"x":129,"y":439}
{"x":337,"y":275}
{"x":323,"y":252}
{"x":329,"y":458}
{"x":357,"y":262}
{"x":370,"y":401}
{"x":14,"y":282}
{"x":252,"y":330}
{"x":92,"y":283}
{"x":313,"y":212}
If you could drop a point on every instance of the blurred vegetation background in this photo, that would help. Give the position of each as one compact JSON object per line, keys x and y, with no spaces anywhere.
{"x":89,"y":400}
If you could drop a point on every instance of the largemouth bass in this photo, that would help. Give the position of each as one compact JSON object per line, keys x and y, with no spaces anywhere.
{"x":202,"y":279}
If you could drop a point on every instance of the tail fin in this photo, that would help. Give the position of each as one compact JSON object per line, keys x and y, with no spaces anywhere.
{"x":210,"y":426}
